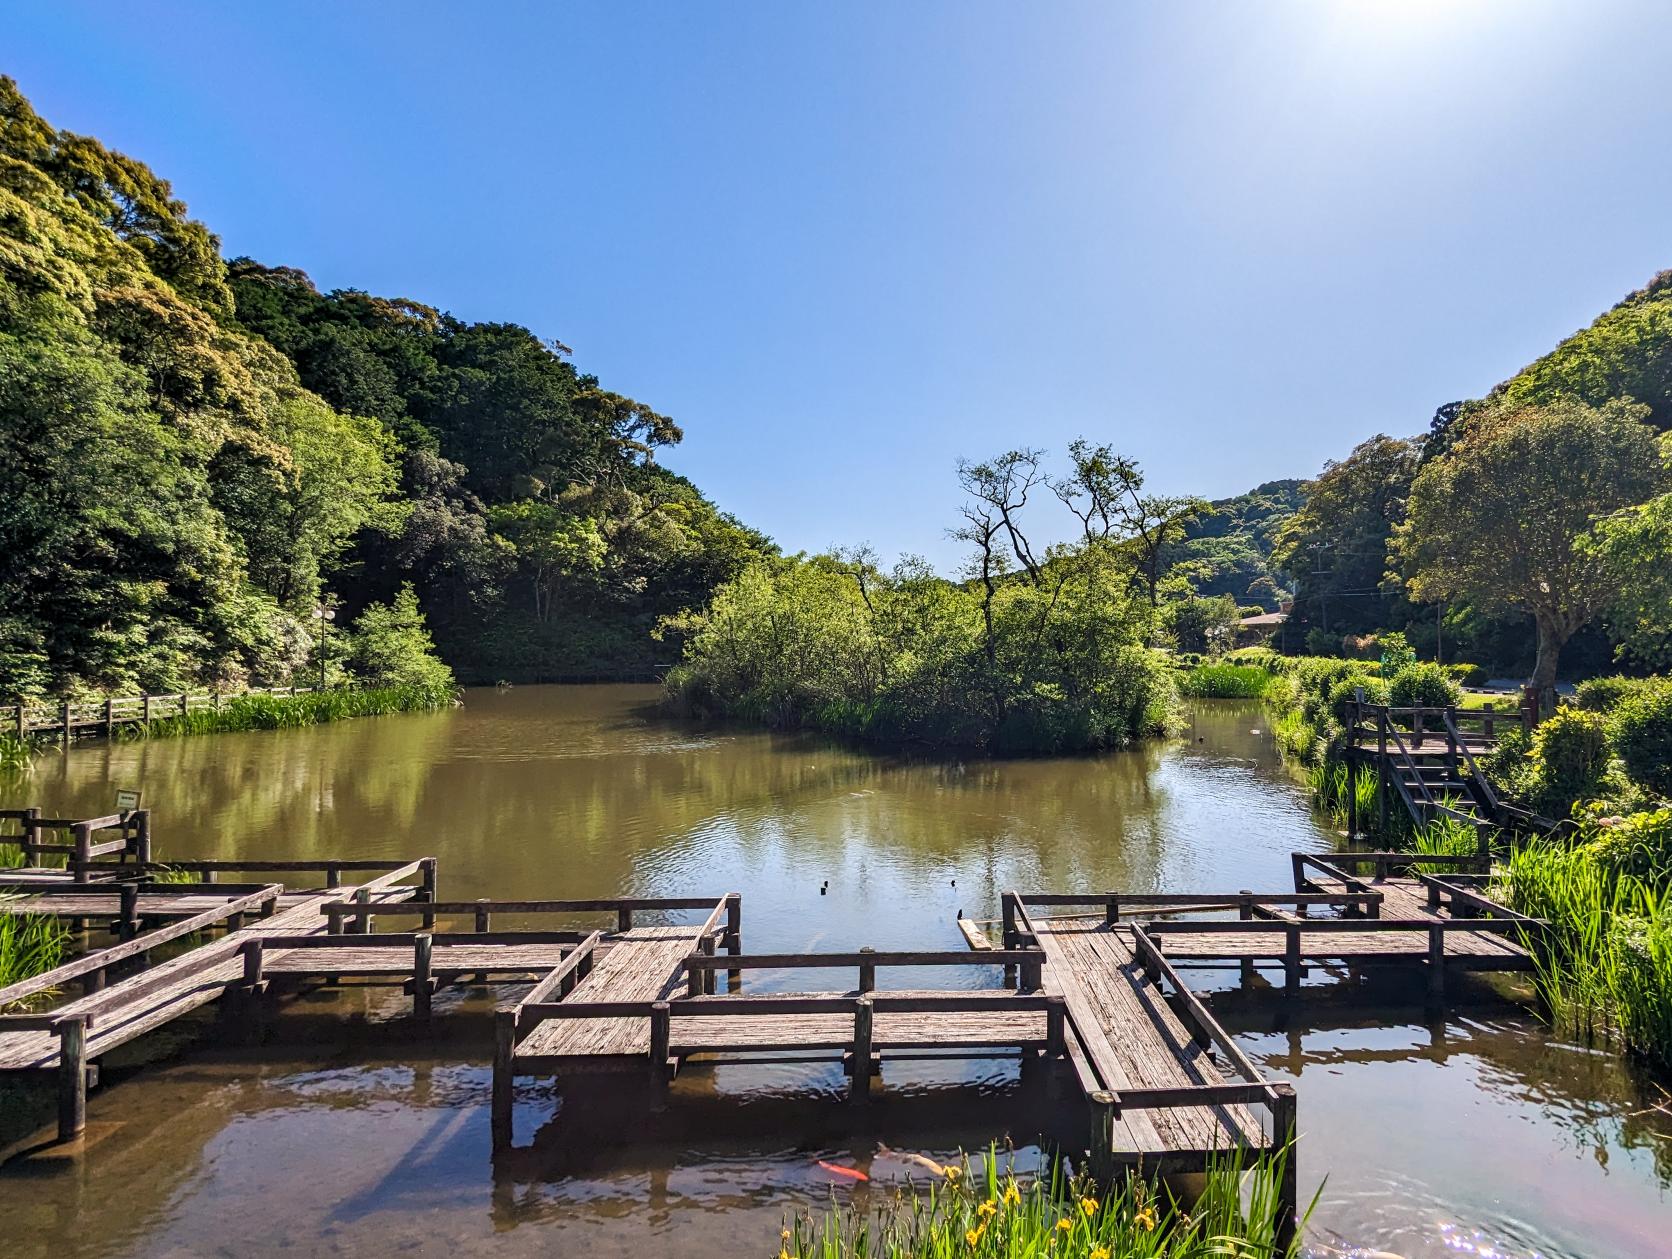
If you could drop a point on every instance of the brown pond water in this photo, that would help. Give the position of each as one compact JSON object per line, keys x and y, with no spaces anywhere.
{"x":354,"y":1132}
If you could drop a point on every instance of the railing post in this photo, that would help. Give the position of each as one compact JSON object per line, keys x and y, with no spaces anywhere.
{"x":1381,"y":771}
{"x":504,"y":1058}
{"x":362,"y":911}
{"x":110,"y":716}
{"x":64,"y":733}
{"x":333,"y":874}
{"x":1245,"y":911}
{"x":1007,"y":907}
{"x":1056,"y":1036}
{"x":867,"y":973}
{"x":82,"y":857}
{"x":423,"y":985}
{"x":734,"y":937}
{"x":30,"y":823}
{"x":1102,"y":1143}
{"x":142,"y":836}
{"x":623,"y":920}
{"x":1436,"y":962}
{"x":1285,"y":1139}
{"x":127,"y":924}
{"x":484,"y":918}
{"x":860,"y":1086}
{"x":1111,"y":910}
{"x":661,"y":1033}
{"x":72,"y":1078}
{"x":1032,"y":973}
{"x":1291,"y":960}
{"x":705,"y":946}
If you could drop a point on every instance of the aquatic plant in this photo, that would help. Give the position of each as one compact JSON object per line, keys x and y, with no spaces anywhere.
{"x":15,"y":753}
{"x":1225,"y":681}
{"x":988,"y":1212}
{"x":288,"y":712}
{"x":30,"y":944}
{"x":1605,"y":966}
{"x":1445,"y":837}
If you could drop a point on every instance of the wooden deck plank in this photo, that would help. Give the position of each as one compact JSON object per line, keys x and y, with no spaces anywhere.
{"x":446,"y":960}
{"x":1149,"y":1044}
{"x":641,"y":965}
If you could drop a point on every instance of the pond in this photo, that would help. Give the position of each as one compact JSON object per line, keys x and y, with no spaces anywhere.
{"x":350,"y":1132}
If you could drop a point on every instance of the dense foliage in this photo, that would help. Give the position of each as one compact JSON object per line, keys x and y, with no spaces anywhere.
{"x":1226,"y":550}
{"x":195,"y":456}
{"x":1034,"y":651}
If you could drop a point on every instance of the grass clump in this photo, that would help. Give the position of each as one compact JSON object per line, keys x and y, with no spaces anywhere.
{"x":989,"y":1213}
{"x":1225,"y":681}
{"x":15,"y":753}
{"x":289,"y":712}
{"x":30,"y":944}
{"x":1605,"y":970}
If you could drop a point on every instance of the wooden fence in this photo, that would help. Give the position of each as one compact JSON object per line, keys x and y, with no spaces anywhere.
{"x":67,"y":718}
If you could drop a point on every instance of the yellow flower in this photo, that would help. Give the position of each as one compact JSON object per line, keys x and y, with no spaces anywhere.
{"x":1145,"y":1219}
{"x":1099,"y":1252}
{"x":987,"y":1209}
{"x":1065,"y":1224}
{"x":952,"y":1173}
{"x":1088,"y":1205}
{"x":1012,"y":1195}
{"x":784,"y":1233}
{"x":974,"y":1235}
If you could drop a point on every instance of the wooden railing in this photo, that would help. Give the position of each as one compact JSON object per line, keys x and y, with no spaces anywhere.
{"x":133,"y":841}
{"x":67,"y":718}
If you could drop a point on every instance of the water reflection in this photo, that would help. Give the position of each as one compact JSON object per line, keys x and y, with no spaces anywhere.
{"x":356,"y":1132}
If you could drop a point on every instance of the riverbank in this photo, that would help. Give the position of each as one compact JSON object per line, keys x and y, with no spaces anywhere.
{"x":217,"y":714}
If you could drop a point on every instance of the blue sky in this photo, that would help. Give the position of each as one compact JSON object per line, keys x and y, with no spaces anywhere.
{"x":845,"y":244}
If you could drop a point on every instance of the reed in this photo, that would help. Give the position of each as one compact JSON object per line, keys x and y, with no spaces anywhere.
{"x":1444,"y":837}
{"x":30,"y":944}
{"x":15,"y":753}
{"x":1605,"y":971}
{"x":1224,"y":681}
{"x":987,"y":1212}
{"x":290,"y":712}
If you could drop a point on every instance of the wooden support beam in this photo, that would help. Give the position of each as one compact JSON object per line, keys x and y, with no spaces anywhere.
{"x":423,"y":981}
{"x":72,"y":1078}
{"x":1285,"y":1141}
{"x":661,"y":1035}
{"x":859,"y":1087}
{"x":504,"y":1051}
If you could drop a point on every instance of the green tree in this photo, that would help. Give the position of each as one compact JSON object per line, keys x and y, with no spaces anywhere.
{"x":1499,"y":517}
{"x":1634,"y":546}
{"x":1335,"y":548}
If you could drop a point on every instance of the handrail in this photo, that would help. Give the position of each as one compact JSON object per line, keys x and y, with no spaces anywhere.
{"x":101,"y":958}
{"x":1475,"y":773}
{"x":1204,"y":1023}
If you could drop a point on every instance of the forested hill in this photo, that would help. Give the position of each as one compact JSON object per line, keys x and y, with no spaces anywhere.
{"x":1227,"y":549}
{"x":194,"y":456}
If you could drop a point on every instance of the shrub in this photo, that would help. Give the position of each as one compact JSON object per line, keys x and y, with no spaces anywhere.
{"x":1343,"y":692}
{"x":1259,"y":658}
{"x":1638,"y":844}
{"x":1467,"y":674}
{"x":1423,"y":686}
{"x":1396,"y":654}
{"x":1569,"y":760}
{"x":1643,"y":738}
{"x":1601,"y":695}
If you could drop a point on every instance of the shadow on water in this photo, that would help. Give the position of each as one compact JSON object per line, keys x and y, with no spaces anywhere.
{"x":352,"y":1129}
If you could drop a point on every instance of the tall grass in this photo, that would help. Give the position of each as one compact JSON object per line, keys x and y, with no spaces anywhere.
{"x":289,"y":712}
{"x":1336,"y":788}
{"x":1445,"y":837}
{"x":989,"y":1214}
{"x":1224,"y":681}
{"x":1606,"y":967}
{"x":15,"y":753}
{"x":30,"y":944}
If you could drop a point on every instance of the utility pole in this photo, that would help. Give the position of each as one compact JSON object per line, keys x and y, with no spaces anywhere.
{"x":324,"y":616}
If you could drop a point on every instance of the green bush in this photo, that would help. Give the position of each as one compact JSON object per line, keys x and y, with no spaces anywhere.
{"x":1601,"y":695}
{"x":1638,"y":844}
{"x":1467,"y":674}
{"x":1643,"y":738}
{"x":1569,"y":760}
{"x":1426,"y":685}
{"x":1342,"y":693}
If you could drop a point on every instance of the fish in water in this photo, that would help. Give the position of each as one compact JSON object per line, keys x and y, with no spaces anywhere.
{"x":922,"y":1160}
{"x":852,"y":1173}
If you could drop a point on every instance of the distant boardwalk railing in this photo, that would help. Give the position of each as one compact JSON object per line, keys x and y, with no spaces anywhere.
{"x":67,"y":718}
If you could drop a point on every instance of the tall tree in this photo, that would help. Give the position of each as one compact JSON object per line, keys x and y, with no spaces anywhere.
{"x":1335,"y":547}
{"x":1498,"y":519}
